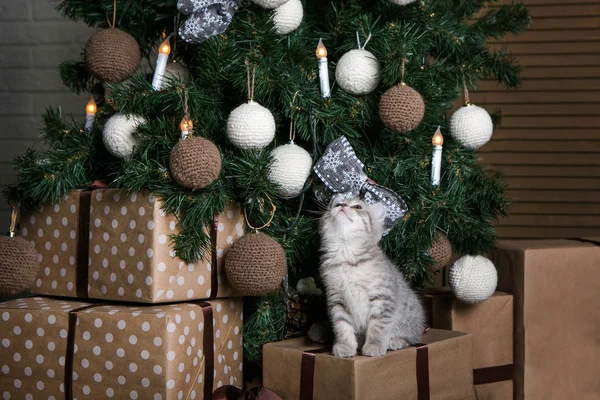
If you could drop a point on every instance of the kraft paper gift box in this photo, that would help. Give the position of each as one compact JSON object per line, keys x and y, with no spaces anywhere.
{"x":108,"y":244}
{"x":491,"y":325}
{"x":56,"y":349}
{"x":557,"y":324}
{"x":439,"y":369}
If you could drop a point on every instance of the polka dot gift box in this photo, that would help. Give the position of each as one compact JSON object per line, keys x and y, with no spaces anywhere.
{"x":53,"y":229}
{"x":55,"y":349}
{"x":127,"y":255}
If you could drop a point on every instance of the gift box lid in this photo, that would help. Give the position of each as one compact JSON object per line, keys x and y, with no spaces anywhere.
{"x":446,"y":356}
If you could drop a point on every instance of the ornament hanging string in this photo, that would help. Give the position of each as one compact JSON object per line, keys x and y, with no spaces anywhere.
{"x":186,"y":115}
{"x":404,"y":61}
{"x":114,"y":20}
{"x":13,"y":219}
{"x":467,"y":100}
{"x":257,"y":228}
{"x":466,"y":94}
{"x":250,"y":80}
{"x":185,"y":102}
{"x":366,"y":41}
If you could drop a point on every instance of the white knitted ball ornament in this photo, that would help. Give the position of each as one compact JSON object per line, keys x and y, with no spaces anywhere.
{"x":402,"y":2}
{"x":471,"y":126}
{"x":269,"y":3}
{"x":119,"y":134}
{"x":177,"y":71}
{"x":473,"y":279}
{"x":358,"y":72}
{"x":250,"y":126}
{"x":288,"y":17}
{"x":290,"y":168}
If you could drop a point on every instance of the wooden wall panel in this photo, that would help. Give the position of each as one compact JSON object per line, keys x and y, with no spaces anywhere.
{"x":548,"y":141}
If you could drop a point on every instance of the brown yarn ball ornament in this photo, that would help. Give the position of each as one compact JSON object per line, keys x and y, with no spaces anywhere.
{"x":195,"y":162}
{"x":255,"y":264}
{"x":401,"y":108}
{"x":19,"y":265}
{"x":440,"y":251}
{"x":112,"y":55}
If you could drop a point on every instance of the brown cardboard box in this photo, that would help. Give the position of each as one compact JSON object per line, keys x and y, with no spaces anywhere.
{"x":120,"y":352}
{"x":128,"y":254}
{"x":491,"y":324}
{"x":557,"y":324}
{"x":287,"y":371}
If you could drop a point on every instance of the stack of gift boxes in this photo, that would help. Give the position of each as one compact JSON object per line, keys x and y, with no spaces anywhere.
{"x":535,"y":338}
{"x":120,"y":316}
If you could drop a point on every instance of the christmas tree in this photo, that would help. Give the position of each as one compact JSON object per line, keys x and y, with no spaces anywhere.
{"x":399,"y":67}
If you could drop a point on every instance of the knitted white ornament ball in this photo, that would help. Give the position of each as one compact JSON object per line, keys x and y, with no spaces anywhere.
{"x":288,"y":17}
{"x":119,"y":134}
{"x":250,"y":126}
{"x":358,"y":72}
{"x":269,"y":3}
{"x":290,"y":168}
{"x":473,"y":279}
{"x":402,"y":2}
{"x":177,"y":71}
{"x":471,"y":126}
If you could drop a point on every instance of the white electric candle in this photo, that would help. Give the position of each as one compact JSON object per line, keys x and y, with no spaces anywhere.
{"x":323,"y":70}
{"x":161,"y":64}
{"x":90,"y":115}
{"x":436,"y":158}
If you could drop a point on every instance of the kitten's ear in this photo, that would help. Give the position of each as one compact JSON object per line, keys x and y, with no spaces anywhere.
{"x":378,"y":211}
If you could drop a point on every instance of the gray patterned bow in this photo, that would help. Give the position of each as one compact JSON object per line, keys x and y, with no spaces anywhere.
{"x":342,"y":172}
{"x":206,"y":18}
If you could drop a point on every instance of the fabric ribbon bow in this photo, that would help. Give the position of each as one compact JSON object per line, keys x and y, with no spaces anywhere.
{"x":342,"y":172}
{"x":206,"y":18}
{"x":232,"y":393}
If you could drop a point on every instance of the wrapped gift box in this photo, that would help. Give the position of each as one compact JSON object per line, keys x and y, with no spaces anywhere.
{"x":108,"y":244}
{"x":556,"y":296}
{"x":440,"y":368}
{"x":55,"y":349}
{"x":491,"y":325}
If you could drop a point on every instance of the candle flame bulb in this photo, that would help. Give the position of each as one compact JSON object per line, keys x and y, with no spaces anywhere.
{"x":438,"y":139}
{"x":91,"y":108}
{"x":321,"y":49}
{"x":186,"y":124}
{"x":90,"y":115}
{"x":165,"y":47}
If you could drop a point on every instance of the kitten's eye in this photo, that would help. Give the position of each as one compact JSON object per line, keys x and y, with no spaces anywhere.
{"x":357,"y":207}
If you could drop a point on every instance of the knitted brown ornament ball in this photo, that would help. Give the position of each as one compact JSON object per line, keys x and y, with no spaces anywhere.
{"x":112,"y":55}
{"x":401,"y":108}
{"x":195,"y":162}
{"x":440,"y":251}
{"x":19,"y":265}
{"x":255,"y":264}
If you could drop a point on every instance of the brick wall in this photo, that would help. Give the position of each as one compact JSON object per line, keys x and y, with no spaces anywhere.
{"x":34,"y":39}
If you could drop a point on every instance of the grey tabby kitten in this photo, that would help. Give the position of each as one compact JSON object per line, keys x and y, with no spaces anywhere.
{"x":370,"y":304}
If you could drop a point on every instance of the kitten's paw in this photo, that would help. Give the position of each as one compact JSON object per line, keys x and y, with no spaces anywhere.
{"x":373,"y":350}
{"x":397,"y":344}
{"x":344,"y":350}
